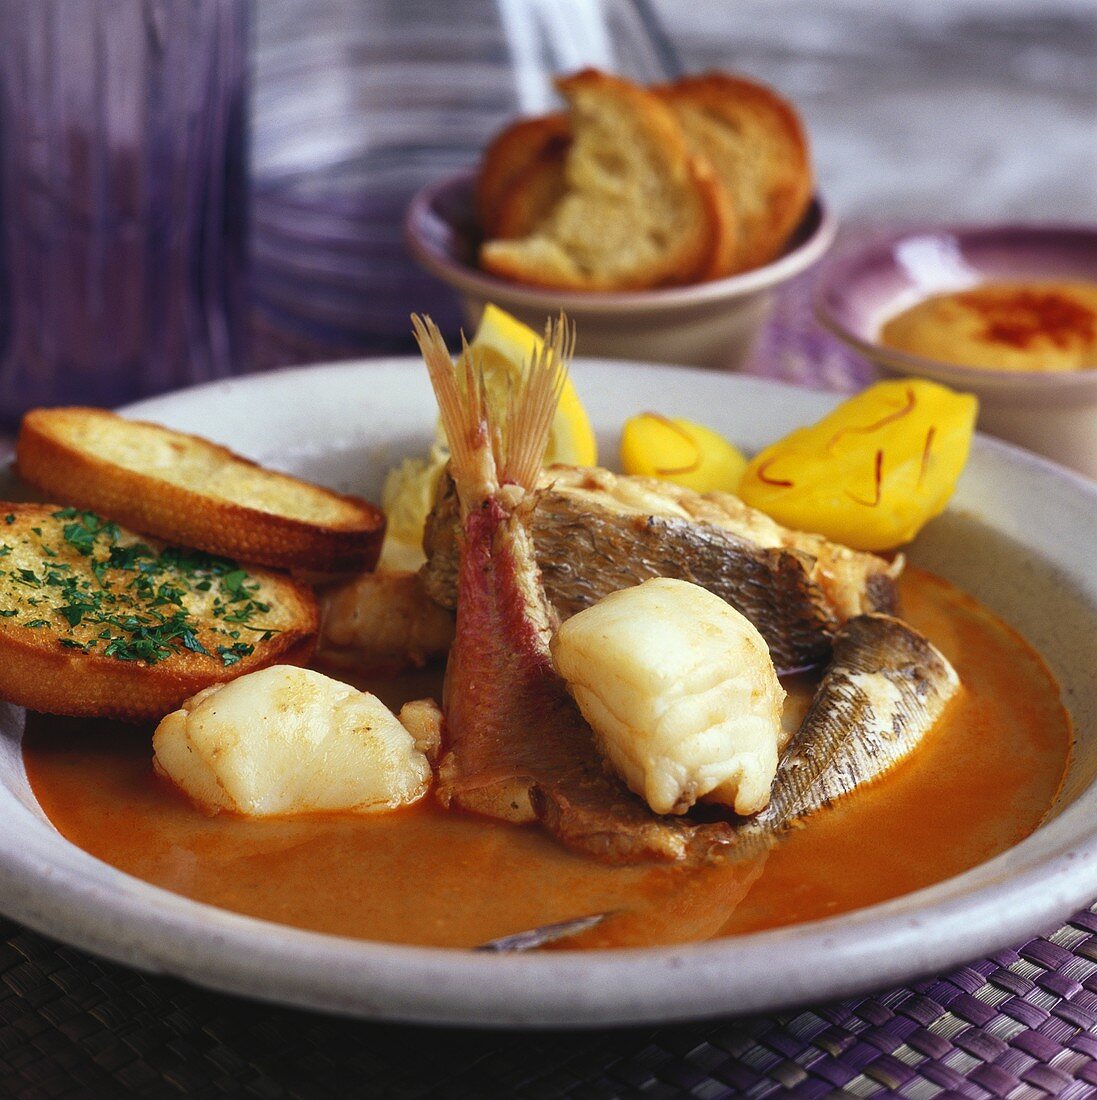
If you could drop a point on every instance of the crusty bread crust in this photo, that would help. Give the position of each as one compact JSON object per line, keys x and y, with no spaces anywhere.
{"x":57,"y":452}
{"x":86,"y":686}
{"x":757,"y":144}
{"x":686,"y":251}
{"x":723,"y":248}
{"x":518,"y":158}
{"x":531,"y":195}
{"x":38,"y":671}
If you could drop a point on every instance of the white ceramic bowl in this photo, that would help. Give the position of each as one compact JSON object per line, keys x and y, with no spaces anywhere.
{"x":1019,"y":536}
{"x":1054,"y":414}
{"x":709,"y":324}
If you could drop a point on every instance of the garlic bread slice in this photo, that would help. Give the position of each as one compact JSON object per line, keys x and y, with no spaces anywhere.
{"x":97,"y":621}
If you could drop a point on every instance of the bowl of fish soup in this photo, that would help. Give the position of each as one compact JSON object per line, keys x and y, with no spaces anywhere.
{"x":1017,"y":537}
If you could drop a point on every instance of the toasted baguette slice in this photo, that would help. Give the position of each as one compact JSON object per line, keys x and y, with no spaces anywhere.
{"x":532,"y":195}
{"x":96,"y":621}
{"x":723,"y":245}
{"x":512,"y":165}
{"x":757,"y":145}
{"x":640,"y":209}
{"x":533,"y":190}
{"x":187,"y":490}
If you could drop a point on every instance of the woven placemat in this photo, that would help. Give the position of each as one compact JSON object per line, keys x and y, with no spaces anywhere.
{"x":1017,"y":1024}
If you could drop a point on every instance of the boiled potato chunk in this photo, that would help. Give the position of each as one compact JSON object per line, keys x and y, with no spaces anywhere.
{"x":681,"y":451}
{"x":874,"y":471}
{"x":681,"y":693}
{"x":287,"y":740}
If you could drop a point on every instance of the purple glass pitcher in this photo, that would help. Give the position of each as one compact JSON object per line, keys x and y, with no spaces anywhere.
{"x":123,"y":227}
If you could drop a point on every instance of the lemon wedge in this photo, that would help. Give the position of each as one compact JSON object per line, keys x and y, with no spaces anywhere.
{"x":503,"y":347}
{"x":681,"y":451}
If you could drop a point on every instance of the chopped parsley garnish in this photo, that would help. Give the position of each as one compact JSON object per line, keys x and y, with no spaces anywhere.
{"x":230,"y":654}
{"x":74,"y":612}
{"x":87,"y":528}
{"x":129,"y":601}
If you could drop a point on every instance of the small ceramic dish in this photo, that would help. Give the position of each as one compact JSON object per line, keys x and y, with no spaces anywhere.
{"x":1053,"y":413}
{"x":709,"y":324}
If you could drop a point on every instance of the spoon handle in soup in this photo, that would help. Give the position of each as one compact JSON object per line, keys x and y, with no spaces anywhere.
{"x":545,"y":933}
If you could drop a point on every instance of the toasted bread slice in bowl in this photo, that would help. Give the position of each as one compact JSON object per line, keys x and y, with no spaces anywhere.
{"x":536,"y":152}
{"x":640,"y":209}
{"x":521,"y":175}
{"x":756,"y":143}
{"x":98,"y":621}
{"x":188,"y":490}
{"x":531,"y":196}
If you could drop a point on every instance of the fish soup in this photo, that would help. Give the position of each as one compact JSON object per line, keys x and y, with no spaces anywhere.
{"x":982,"y":779}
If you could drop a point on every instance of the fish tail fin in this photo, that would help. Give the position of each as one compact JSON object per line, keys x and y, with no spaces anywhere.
{"x":489,"y":445}
{"x":532,"y":407}
{"x":463,"y":405}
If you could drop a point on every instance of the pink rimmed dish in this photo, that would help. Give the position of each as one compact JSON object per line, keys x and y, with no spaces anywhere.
{"x":1054,"y":414}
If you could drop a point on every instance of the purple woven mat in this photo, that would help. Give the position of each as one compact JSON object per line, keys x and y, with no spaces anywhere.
{"x":1018,"y":1024}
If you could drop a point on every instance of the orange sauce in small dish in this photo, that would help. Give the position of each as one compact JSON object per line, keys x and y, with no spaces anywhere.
{"x":1030,"y":326}
{"x":983,"y":779}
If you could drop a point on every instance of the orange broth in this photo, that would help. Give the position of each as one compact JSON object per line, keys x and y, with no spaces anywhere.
{"x":982,"y":780}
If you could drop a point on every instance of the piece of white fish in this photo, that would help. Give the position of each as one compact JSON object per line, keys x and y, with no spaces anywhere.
{"x":681,"y":693}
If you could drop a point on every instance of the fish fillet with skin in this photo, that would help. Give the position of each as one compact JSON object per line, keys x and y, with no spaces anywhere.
{"x":515,"y":745}
{"x":596,"y":532}
{"x":680,"y":692}
{"x":883,"y":691}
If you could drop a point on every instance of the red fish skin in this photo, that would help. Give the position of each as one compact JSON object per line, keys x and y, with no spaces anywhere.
{"x":500,"y":684}
{"x":517,"y":747}
{"x":515,"y":737}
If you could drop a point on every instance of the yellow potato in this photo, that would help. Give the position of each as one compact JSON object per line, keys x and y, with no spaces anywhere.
{"x":871,"y":473}
{"x":681,"y":451}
